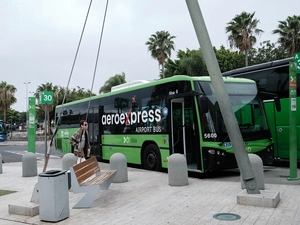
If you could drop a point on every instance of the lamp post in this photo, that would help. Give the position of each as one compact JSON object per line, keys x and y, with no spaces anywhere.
{"x":27,"y":101}
{"x":11,"y":127}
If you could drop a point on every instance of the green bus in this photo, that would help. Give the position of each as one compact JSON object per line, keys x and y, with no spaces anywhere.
{"x":147,"y":121}
{"x":272,"y":78}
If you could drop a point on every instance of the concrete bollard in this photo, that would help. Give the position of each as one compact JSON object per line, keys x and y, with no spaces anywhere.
{"x":29,"y":165}
{"x":177,"y":170}
{"x":257,"y":166}
{"x":1,"y":170}
{"x":118,"y":162}
{"x":68,"y":161}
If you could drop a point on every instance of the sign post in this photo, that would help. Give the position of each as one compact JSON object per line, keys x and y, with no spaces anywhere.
{"x":293,"y":117}
{"x":46,"y":98}
{"x":31,"y":125}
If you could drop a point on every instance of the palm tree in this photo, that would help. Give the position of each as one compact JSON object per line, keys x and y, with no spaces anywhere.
{"x":242,"y":31}
{"x":160,"y":45}
{"x":49,"y":108}
{"x":112,"y":81}
{"x":7,"y":97}
{"x":72,"y":94}
{"x":289,"y":34}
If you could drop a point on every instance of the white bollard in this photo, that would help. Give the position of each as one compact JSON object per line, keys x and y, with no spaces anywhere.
{"x":68,"y":161}
{"x":29,"y":164}
{"x":118,"y":162}
{"x":177,"y":170}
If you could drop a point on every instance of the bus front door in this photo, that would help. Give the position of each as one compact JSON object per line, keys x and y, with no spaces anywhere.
{"x":93,"y":120}
{"x":183,"y":132}
{"x":177,"y":126}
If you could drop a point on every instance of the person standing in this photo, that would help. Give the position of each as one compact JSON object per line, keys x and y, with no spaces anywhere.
{"x":81,"y":142}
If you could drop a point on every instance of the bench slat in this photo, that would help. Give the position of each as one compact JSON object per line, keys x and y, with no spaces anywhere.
{"x":90,"y":162}
{"x":86,"y":169}
{"x":100,"y":179}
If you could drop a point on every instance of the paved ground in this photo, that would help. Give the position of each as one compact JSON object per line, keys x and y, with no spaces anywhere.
{"x":147,"y":198}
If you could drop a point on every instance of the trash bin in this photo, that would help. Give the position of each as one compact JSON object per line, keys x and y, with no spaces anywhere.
{"x":53,"y":195}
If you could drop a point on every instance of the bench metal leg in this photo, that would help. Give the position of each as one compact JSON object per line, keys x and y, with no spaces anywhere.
{"x":107,"y":183}
{"x":89,"y":198}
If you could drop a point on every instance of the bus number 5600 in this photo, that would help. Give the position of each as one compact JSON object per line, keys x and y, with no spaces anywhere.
{"x":210,"y":135}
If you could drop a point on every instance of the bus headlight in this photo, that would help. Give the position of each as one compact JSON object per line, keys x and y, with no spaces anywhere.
{"x":211,"y":151}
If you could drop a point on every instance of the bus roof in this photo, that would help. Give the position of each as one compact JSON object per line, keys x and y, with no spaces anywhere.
{"x":129,"y":84}
{"x":138,"y":85}
{"x":226,"y":79}
{"x":248,"y":69}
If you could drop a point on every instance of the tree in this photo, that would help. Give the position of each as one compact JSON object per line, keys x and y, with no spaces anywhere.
{"x":194,"y":63}
{"x":242,"y":31}
{"x":289,"y":34}
{"x":12,"y":116}
{"x":229,"y":60}
{"x":267,"y":52}
{"x":112,"y":81}
{"x":191,"y":62}
{"x":7,"y":98}
{"x":160,"y":45}
{"x":73,"y":94}
{"x":173,"y":68}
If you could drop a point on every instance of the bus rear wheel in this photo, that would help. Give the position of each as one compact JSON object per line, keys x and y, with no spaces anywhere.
{"x":151,"y":158}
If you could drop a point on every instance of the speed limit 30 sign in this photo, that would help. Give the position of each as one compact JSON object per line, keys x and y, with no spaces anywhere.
{"x":46,"y":97}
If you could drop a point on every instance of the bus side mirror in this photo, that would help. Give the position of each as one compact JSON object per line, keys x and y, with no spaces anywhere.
{"x":277,"y":103}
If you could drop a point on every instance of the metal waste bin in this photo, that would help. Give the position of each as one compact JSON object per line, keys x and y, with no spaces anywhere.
{"x":53,"y":195}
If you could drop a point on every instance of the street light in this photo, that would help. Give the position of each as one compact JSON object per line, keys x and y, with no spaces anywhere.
{"x":27,"y":101}
{"x":10,"y":127}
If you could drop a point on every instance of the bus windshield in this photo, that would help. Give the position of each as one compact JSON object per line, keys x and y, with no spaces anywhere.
{"x":247,"y":107}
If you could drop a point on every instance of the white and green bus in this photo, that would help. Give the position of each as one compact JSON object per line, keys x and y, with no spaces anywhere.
{"x":147,"y":121}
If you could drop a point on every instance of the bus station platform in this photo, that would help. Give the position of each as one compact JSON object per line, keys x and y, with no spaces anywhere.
{"x":147,"y":198}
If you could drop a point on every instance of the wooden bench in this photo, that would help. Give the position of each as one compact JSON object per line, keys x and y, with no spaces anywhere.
{"x":87,"y":177}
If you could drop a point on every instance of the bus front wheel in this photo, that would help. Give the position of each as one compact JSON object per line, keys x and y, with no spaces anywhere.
{"x":151,"y":158}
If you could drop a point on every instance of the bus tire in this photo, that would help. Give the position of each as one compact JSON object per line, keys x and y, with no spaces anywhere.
{"x":151,"y":158}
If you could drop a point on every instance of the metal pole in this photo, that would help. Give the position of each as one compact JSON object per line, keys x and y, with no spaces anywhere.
{"x":46,"y":123}
{"x":27,"y":102}
{"x":11,"y":127}
{"x":293,"y":121}
{"x":223,"y":98}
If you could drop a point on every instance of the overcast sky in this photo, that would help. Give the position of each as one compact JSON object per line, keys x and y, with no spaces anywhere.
{"x":39,"y":38}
